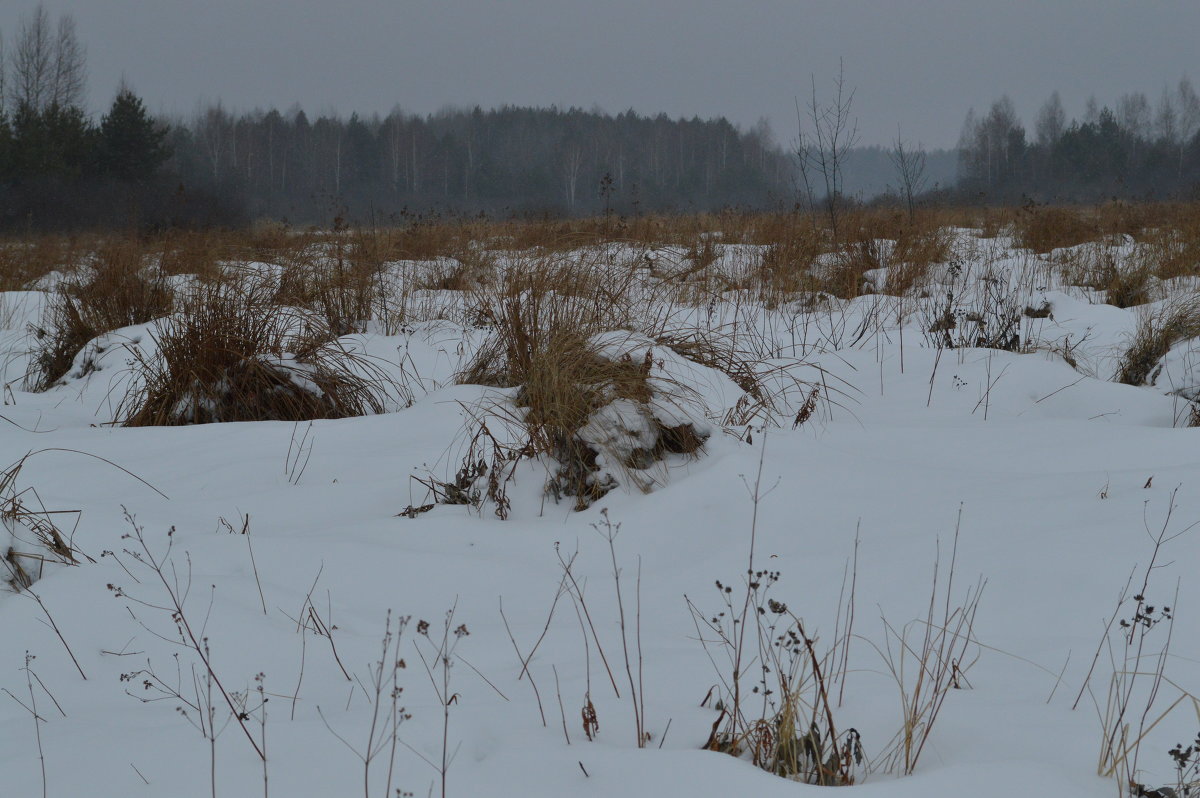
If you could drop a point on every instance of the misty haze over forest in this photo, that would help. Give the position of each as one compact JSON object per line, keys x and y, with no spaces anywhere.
{"x":61,"y":166}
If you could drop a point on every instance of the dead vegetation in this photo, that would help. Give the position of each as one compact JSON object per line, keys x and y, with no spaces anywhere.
{"x":230,"y":354}
{"x":1096,"y":267}
{"x":31,"y":537}
{"x":25,"y":261}
{"x":583,"y":384}
{"x":546,"y":288}
{"x":1171,"y":248}
{"x":780,"y":688}
{"x":1044,"y":228}
{"x":585,"y":406}
{"x":117,"y":289}
{"x":1158,"y":329}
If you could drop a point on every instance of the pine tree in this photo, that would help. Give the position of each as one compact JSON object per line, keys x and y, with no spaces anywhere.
{"x":57,"y":143}
{"x":132,"y":145}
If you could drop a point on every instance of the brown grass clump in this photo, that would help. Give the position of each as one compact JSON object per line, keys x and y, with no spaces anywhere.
{"x":539,"y":295}
{"x":536,"y":307}
{"x":35,"y":539}
{"x":1127,"y":288}
{"x":344,"y":287}
{"x":882,"y":222}
{"x":919,"y":242}
{"x":25,"y":261}
{"x":199,"y":252}
{"x":846,"y":277}
{"x":545,"y":316}
{"x":235,"y":356}
{"x":117,"y":291}
{"x":786,"y":266}
{"x":1120,"y":218}
{"x":1096,"y":267}
{"x":426,"y":239}
{"x":1042,"y":229}
{"x":916,"y":249}
{"x":1156,"y":333}
{"x":923,"y":244}
{"x":468,"y":270}
{"x":1173,"y":249}
{"x":563,"y":235}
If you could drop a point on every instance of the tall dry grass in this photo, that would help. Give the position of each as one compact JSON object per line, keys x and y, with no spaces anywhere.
{"x":117,"y":289}
{"x":230,"y":354}
{"x":1158,"y":329}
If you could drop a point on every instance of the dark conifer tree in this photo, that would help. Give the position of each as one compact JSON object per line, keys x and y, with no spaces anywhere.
{"x":132,"y":145}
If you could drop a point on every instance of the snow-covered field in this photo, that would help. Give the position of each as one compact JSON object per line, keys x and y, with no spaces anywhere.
{"x":1031,"y":472}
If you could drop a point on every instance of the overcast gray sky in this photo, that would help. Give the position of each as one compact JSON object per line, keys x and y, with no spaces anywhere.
{"x":918,"y":64}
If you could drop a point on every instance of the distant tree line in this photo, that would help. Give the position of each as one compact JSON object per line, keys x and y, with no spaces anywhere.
{"x":1135,"y":150}
{"x":508,"y":160}
{"x":59,"y":168}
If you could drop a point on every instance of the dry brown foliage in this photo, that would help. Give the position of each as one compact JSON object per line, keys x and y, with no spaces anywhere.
{"x":231,"y":354}
{"x":1043,"y":228}
{"x":544,"y":316}
{"x":24,"y":261}
{"x":117,"y":290}
{"x":1157,"y":331}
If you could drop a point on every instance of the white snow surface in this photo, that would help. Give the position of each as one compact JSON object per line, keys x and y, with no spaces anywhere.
{"x":1054,"y":476}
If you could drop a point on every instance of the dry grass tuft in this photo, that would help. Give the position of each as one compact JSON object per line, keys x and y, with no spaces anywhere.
{"x":845,"y":276}
{"x":202,"y":252}
{"x":1044,"y":228}
{"x":31,"y":537}
{"x":468,"y":270}
{"x":1158,"y":330}
{"x":234,"y":356}
{"x":917,"y":249}
{"x":1096,"y":266}
{"x":545,"y":316}
{"x":24,"y":261}
{"x":1173,"y":250}
{"x":1121,"y":218}
{"x":785,"y":270}
{"x":1127,"y":288}
{"x":117,"y":290}
{"x":342,"y":284}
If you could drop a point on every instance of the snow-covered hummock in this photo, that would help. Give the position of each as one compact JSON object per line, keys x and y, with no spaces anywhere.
{"x":1053,"y":473}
